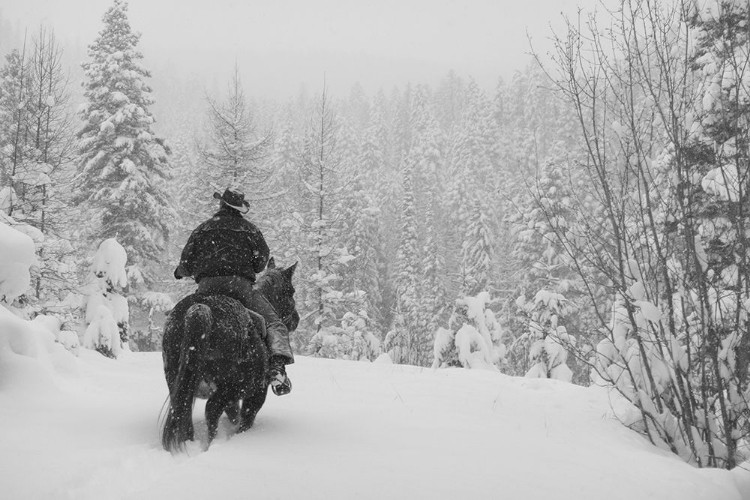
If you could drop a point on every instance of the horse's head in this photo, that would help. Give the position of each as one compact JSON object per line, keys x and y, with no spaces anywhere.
{"x":276,"y":285}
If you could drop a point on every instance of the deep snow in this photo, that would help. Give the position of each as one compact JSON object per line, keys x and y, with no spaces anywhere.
{"x":87,"y":428}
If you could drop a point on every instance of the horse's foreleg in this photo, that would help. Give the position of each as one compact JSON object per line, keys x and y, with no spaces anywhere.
{"x":233,"y":412}
{"x":251,"y":405}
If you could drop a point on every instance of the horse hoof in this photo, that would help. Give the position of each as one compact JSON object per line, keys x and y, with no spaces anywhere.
{"x":244,"y":426}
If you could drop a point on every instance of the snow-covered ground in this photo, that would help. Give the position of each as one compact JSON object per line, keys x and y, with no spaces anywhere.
{"x":87,"y":428}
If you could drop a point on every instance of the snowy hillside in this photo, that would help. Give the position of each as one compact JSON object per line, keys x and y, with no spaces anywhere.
{"x":86,"y":428}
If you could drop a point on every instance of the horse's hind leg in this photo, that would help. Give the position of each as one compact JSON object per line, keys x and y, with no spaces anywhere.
{"x":215,"y":406}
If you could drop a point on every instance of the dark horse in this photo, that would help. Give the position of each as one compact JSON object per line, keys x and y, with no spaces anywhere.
{"x":213,"y":341}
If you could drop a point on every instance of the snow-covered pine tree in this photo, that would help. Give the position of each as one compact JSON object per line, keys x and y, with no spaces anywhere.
{"x":358,"y":108}
{"x":122,"y":162}
{"x":426,"y":153}
{"x":716,"y":183}
{"x":401,"y":123}
{"x":405,"y":339}
{"x":476,"y":249}
{"x":548,"y":340}
{"x":380,"y":178}
{"x":471,"y":205}
{"x":531,"y":109}
{"x":284,"y":232}
{"x":549,"y":288}
{"x":435,"y":303}
{"x":450,"y":98}
{"x":360,"y":215}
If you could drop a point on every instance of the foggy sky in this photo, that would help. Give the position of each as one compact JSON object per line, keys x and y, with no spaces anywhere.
{"x":280,"y":45}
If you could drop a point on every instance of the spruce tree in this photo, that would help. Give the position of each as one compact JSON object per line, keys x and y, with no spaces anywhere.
{"x":379,"y":177}
{"x":403,"y":341}
{"x":122,"y":162}
{"x":472,"y":207}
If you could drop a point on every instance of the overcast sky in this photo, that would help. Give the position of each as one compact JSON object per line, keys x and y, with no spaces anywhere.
{"x":280,"y":44}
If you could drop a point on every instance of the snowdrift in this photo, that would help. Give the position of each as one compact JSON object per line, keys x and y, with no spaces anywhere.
{"x":87,"y":428}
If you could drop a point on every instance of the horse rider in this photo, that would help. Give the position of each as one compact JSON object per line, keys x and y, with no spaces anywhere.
{"x":224,"y":254}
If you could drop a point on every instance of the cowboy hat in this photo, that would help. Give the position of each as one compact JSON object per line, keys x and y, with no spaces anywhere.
{"x":234,"y":199}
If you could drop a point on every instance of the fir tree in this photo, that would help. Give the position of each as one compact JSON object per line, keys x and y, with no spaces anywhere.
{"x":380,"y":176}
{"x":426,"y":156}
{"x":362,"y":237}
{"x":122,"y":163}
{"x":403,"y":342}
{"x":472,"y":204}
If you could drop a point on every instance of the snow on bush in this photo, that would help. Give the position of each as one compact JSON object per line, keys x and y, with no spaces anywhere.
{"x":473,"y":338}
{"x":30,"y":357}
{"x":150,"y":338}
{"x":158,"y":301}
{"x":68,"y":339}
{"x":619,"y":356}
{"x":8,"y":198}
{"x":547,"y":339}
{"x":106,"y":310}
{"x":109,"y":263}
{"x":352,"y":340}
{"x":18,"y":255}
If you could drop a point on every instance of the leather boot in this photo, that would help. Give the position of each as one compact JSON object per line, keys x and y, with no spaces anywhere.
{"x":280,"y":383}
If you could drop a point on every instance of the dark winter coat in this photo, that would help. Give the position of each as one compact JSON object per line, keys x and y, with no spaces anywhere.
{"x":225,"y":245}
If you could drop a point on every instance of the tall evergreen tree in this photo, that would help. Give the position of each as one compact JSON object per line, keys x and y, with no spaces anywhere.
{"x":403,"y":341}
{"x":122,"y":162}
{"x":450,"y":98}
{"x":426,"y":155}
{"x":473,"y":204}
{"x":379,"y":178}
{"x":362,"y":238}
{"x":284,"y":228}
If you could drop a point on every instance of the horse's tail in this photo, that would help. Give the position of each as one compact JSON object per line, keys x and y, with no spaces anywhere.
{"x":178,"y":425}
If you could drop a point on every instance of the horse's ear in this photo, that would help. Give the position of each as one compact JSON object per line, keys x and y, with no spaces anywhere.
{"x":290,"y":270}
{"x":271,"y":264}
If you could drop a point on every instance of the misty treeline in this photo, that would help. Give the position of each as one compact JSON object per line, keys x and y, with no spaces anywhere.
{"x":594,"y":206}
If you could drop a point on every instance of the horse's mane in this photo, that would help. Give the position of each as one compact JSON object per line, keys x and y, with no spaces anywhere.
{"x":269,"y":280}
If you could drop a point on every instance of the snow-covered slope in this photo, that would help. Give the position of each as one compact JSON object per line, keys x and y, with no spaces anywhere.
{"x":87,"y":428}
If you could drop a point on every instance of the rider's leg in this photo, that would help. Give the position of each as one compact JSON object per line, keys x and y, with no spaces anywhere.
{"x":277,"y":335}
{"x":277,"y":340}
